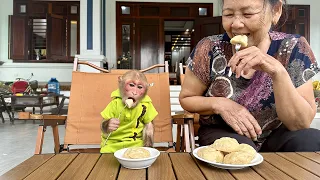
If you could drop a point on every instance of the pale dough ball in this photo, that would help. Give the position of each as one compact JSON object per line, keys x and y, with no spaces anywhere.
{"x":136,"y":153}
{"x":225,"y":144}
{"x":240,"y":39}
{"x":239,"y":158}
{"x":210,"y":154}
{"x":129,"y":103}
{"x":247,"y":148}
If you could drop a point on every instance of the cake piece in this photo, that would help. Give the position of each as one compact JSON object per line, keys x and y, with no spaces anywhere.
{"x":129,"y":103}
{"x":240,"y":39}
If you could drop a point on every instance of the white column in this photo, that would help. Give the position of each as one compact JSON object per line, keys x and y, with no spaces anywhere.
{"x":94,"y":53}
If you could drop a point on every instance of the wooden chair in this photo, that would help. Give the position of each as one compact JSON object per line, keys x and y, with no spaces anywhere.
{"x":90,"y":94}
{"x":187,"y":125}
{"x":4,"y":108}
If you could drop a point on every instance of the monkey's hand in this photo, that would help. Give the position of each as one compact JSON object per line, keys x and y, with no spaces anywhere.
{"x":148,"y":135}
{"x":110,"y":125}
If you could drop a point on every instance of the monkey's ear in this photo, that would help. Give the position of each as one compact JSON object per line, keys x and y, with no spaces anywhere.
{"x":119,"y":79}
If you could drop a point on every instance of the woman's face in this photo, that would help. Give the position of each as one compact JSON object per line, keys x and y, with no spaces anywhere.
{"x":247,"y":17}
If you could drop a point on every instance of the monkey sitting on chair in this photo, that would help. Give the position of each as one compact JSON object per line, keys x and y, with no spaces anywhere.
{"x":127,"y":119}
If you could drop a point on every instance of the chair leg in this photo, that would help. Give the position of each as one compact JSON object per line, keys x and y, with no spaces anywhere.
{"x":39,"y":141}
{"x":1,"y":115}
{"x":56,"y":138}
{"x":9,"y":114}
{"x":187,"y":137}
{"x":178,"y":142}
{"x":183,"y":143}
{"x":60,"y":106}
{"x":190,"y":124}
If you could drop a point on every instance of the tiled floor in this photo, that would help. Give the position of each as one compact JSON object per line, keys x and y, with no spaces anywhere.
{"x":18,"y":142}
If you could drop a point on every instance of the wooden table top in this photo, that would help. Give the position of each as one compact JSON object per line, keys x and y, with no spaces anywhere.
{"x":167,"y":166}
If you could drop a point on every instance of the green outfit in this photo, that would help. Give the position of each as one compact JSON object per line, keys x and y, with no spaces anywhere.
{"x":125,"y":136}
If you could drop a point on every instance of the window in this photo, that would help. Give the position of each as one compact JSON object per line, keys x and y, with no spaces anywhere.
{"x":125,"y":9}
{"x":45,"y":32}
{"x":203,"y":11}
{"x":38,"y":38}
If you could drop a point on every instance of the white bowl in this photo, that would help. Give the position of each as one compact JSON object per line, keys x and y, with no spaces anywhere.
{"x":137,"y":163}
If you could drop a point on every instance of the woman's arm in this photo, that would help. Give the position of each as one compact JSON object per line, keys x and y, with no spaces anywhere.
{"x":235,"y":115}
{"x":295,"y":107}
{"x":192,"y":99}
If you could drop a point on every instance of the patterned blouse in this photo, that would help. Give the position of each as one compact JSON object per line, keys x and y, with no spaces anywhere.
{"x":208,"y":62}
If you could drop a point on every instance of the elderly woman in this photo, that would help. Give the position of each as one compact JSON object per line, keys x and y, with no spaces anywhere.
{"x":262,"y":94}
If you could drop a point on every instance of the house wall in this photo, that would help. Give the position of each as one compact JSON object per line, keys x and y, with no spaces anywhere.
{"x":42,"y":71}
{"x":62,"y":71}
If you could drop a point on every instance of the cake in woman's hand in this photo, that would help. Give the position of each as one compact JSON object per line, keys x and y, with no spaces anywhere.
{"x":240,"y":39}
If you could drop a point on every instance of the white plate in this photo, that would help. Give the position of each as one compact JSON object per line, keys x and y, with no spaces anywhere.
{"x":257,"y":160}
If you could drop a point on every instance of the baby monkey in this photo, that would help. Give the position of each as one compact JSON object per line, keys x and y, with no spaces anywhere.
{"x":127,"y":119}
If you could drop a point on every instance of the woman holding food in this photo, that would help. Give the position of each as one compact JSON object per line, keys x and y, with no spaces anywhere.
{"x":256,"y":88}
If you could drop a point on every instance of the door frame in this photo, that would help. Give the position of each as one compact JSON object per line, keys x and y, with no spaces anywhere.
{"x":164,"y":15}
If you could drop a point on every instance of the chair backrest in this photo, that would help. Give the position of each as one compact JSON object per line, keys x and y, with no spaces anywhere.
{"x":90,"y":94}
{"x":175,"y":91}
{"x":181,"y":67}
{"x":174,"y":99}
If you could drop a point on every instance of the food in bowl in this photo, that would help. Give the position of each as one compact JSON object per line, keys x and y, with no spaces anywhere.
{"x":136,"y":153}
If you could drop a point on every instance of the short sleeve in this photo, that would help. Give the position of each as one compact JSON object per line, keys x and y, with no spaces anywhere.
{"x":109,"y":111}
{"x":151,"y":113}
{"x":302,"y":64}
{"x":199,"y":60}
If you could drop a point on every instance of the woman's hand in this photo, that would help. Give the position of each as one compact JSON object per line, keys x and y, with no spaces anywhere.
{"x":253,"y":58}
{"x":240,"y":119}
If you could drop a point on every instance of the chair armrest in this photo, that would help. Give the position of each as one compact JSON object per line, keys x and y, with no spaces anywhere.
{"x":186,"y":115}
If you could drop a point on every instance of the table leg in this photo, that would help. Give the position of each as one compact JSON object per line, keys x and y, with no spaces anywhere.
{"x":1,"y":116}
{"x":56,"y":138}
{"x":191,"y":128}
{"x":39,"y":142}
{"x":10,"y":117}
{"x":12,"y":122}
{"x":33,"y":112}
{"x":187,"y":137}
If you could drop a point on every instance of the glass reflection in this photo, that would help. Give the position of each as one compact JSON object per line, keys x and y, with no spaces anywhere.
{"x":73,"y":38}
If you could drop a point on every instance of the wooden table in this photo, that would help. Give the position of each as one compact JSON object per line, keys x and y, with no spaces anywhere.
{"x":167,"y":166}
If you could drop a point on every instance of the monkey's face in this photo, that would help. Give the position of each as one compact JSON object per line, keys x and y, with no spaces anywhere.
{"x":135,"y":90}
